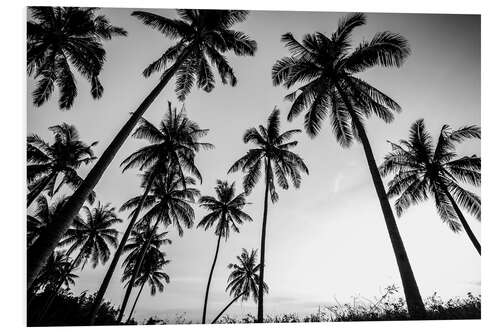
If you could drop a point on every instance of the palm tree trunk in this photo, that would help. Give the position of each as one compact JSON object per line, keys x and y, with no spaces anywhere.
{"x":39,"y":189}
{"x":135,"y":302}
{"x":466,"y":226}
{"x":40,"y":251}
{"x":227,"y":306}
{"x":414,"y":301}
{"x":119,"y":250}
{"x":260,"y":307}
{"x":137,"y":268}
{"x":210,"y":280}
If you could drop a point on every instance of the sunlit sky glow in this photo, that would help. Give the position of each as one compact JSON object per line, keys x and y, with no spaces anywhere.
{"x":328,"y":240}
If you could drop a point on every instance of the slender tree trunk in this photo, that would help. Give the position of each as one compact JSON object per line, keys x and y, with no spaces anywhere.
{"x":414,"y":301}
{"x":227,"y":306}
{"x":260,"y":307}
{"x":210,"y":280}
{"x":40,"y":251}
{"x":137,"y":268}
{"x":53,"y":295}
{"x":466,"y":226}
{"x":135,"y":302}
{"x":39,"y":189}
{"x":119,"y":250}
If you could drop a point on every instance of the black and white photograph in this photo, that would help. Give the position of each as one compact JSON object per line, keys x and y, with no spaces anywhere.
{"x":245,"y":166}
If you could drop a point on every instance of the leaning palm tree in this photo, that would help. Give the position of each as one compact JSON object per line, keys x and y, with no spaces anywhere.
{"x":199,"y":34}
{"x":226,"y":210}
{"x":173,"y":147}
{"x":324,"y":72}
{"x":169,"y":203}
{"x":151,"y":273}
{"x":47,"y":162}
{"x":272,"y":154}
{"x":422,"y":169}
{"x":243,"y":282}
{"x":62,"y":40}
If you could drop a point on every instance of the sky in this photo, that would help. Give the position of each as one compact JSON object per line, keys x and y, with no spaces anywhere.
{"x":327,"y":241}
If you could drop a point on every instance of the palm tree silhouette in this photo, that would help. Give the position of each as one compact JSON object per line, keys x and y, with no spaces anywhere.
{"x":173,"y":147}
{"x":55,"y":271}
{"x":244,"y":279}
{"x":151,"y":273}
{"x":274,"y":156}
{"x":169,"y":203}
{"x":43,"y":216}
{"x":326,"y":71}
{"x":93,"y":235}
{"x":199,"y":32}
{"x":226,"y":210}
{"x":62,"y":40}
{"x":421,"y":169}
{"x":46,"y":162}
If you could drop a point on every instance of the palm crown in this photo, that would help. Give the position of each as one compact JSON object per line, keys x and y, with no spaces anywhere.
{"x":244,"y":277}
{"x":169,"y":201}
{"x":273,"y":153}
{"x":47,"y":161}
{"x":151,"y":272}
{"x":226,"y":209}
{"x":141,"y":236}
{"x":173,"y":144}
{"x":64,"y":39}
{"x":93,"y":235}
{"x":202,"y":38}
{"x":56,"y":271}
{"x":421,"y":168}
{"x":325,"y":69}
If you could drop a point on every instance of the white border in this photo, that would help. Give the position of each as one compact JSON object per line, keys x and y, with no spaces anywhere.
{"x":13,"y":134}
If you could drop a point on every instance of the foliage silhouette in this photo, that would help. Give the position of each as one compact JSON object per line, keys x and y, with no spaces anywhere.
{"x":62,"y":40}
{"x":421,"y":169}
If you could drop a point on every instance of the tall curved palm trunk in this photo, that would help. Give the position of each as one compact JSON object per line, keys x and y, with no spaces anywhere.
{"x":105,"y":283}
{"x":210,"y":280}
{"x":414,"y":302}
{"x":260,"y":306}
{"x":135,"y":273}
{"x":47,"y":242}
{"x":466,"y":226}
{"x":227,"y":307}
{"x":135,"y":302}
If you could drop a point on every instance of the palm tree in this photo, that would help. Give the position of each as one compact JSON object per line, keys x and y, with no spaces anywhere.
{"x":325,"y":69}
{"x":152,"y":273}
{"x":199,"y":33}
{"x":43,"y":216}
{"x":274,"y":156}
{"x":62,"y":40}
{"x":422,"y":169}
{"x":226,"y":210}
{"x":244,"y":280}
{"x":93,"y":235}
{"x":46,"y":162}
{"x":173,"y":147}
{"x":55,"y":271}
{"x":169,"y":203}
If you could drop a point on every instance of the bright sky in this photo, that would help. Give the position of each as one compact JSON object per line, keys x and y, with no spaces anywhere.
{"x":327,"y":240}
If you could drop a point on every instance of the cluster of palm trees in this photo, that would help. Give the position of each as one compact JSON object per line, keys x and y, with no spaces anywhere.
{"x":322,"y":72}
